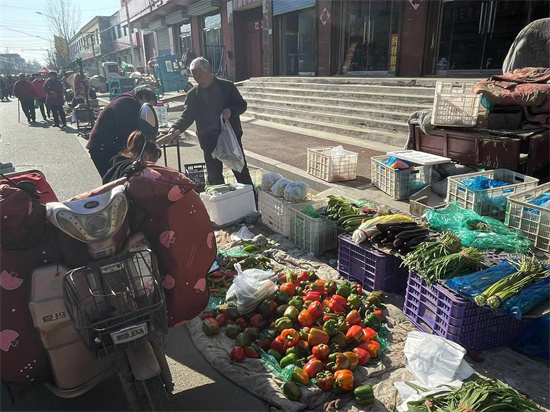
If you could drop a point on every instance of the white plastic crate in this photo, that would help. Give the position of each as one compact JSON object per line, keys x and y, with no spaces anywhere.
{"x":329,"y":168}
{"x":454,"y":105}
{"x":312,"y":235}
{"x":399,"y":184}
{"x":488,"y":202}
{"x":256,"y":174}
{"x":532,"y":220}
{"x":275,"y":212}
{"x":230,"y":207}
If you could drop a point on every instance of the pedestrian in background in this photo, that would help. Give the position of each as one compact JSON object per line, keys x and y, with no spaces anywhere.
{"x":205,"y":103}
{"x":3,"y":90}
{"x":54,"y":99}
{"x":40,"y":98}
{"x":24,"y":91}
{"x":114,"y":124}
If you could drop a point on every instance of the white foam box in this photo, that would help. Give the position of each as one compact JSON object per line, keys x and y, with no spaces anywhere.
{"x":230,"y":207}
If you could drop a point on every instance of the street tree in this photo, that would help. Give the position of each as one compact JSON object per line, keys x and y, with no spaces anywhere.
{"x":64,"y":21}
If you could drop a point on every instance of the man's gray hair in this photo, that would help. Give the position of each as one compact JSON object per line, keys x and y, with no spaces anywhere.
{"x":200,"y":63}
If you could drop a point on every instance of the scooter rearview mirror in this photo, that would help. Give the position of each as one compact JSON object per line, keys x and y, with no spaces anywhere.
{"x":148,"y":123}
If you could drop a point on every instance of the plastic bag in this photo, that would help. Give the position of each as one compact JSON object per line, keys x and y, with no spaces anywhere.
{"x":310,"y":211}
{"x":250,"y":287}
{"x":481,"y":232}
{"x":269,"y":179}
{"x":535,"y":340}
{"x":278,"y":189}
{"x":337,"y":151}
{"x":296,"y":191}
{"x":228,"y":150}
{"x":242,"y":233}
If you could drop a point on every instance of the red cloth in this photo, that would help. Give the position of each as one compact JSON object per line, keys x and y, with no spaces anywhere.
{"x":39,"y":88}
{"x":23,"y":90}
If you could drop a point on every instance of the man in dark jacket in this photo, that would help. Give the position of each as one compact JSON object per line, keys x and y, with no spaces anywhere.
{"x":55,"y":99}
{"x":114,"y":124}
{"x":24,"y":91}
{"x":205,"y":103}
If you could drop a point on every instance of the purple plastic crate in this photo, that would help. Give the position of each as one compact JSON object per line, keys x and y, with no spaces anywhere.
{"x":375,"y":270}
{"x":438,"y":310}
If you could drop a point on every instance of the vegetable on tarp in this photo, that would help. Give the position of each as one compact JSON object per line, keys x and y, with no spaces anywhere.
{"x":456,"y":264}
{"x":364,"y":395}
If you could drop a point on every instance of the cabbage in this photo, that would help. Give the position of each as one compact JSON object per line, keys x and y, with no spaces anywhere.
{"x":278,"y":189}
{"x":269,"y":179}
{"x":296,"y":191}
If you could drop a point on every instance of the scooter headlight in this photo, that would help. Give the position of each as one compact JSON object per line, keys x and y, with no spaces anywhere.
{"x":94,"y":226}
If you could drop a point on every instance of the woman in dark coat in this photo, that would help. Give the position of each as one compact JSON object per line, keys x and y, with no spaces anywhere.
{"x":54,"y":99}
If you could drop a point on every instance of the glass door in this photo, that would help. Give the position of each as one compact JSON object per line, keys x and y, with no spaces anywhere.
{"x":476,"y":35}
{"x":370,"y":27}
{"x":307,"y":43}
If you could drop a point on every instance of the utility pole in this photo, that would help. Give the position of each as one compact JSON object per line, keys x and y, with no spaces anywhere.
{"x":130,"y":34}
{"x":91,"y":37}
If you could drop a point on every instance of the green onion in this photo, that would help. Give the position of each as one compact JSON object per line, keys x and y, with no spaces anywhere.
{"x":450,"y":266}
{"x":447,"y":244}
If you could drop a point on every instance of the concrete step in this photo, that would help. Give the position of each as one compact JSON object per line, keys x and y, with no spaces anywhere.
{"x":341,"y":87}
{"x":334,"y":102}
{"x":390,"y":81}
{"x":388,"y":97}
{"x":397,"y":139}
{"x":321,"y":110}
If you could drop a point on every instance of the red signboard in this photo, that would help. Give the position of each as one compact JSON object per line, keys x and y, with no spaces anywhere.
{"x":393,"y":52}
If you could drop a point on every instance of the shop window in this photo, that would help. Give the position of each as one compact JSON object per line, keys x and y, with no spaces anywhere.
{"x":214,"y":50}
{"x":186,"y":37}
{"x":298,"y":42}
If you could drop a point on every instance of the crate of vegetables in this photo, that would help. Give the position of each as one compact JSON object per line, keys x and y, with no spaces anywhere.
{"x":276,"y":211}
{"x":438,"y":310}
{"x":373,"y":269}
{"x":312,"y":234}
{"x":529,"y":211}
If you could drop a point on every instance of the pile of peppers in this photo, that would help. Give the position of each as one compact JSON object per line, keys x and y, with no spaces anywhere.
{"x":325,"y":329}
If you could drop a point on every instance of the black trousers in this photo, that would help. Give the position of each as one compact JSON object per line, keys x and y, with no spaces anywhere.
{"x":41,"y":105}
{"x":214,"y":168}
{"x":28,"y":108}
{"x":58,"y":113}
{"x":101,"y":156}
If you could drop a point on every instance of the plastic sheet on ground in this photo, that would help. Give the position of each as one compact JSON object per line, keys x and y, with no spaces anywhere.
{"x":524,"y":374}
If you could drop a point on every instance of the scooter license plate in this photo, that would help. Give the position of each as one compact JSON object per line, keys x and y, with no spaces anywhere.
{"x":129,"y":334}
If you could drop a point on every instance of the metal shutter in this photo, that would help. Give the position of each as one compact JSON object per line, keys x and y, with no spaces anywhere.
{"x":285,"y":6}
{"x":163,"y":42}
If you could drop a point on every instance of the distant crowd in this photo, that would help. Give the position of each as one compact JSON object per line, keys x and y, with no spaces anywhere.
{"x":45,"y":92}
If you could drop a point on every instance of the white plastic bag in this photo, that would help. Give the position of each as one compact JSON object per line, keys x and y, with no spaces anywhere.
{"x":228,"y":150}
{"x":269,"y":179}
{"x":250,"y":287}
{"x":337,"y":151}
{"x":242,"y":234}
{"x":434,"y":362}
{"x":296,"y":191}
{"x":278,"y":189}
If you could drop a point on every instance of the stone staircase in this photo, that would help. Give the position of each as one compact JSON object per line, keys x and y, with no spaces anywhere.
{"x":374,"y":109}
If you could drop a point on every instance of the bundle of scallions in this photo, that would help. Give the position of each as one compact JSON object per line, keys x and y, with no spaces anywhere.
{"x":482,"y":395}
{"x":447,"y":244}
{"x":528,"y":271}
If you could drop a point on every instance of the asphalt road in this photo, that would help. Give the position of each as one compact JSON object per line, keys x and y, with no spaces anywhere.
{"x":62,"y":157}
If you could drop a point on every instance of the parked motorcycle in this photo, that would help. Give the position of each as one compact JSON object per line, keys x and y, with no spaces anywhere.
{"x":108,"y":316}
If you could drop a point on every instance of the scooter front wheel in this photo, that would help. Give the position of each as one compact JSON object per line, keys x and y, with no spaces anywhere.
{"x":157,"y":395}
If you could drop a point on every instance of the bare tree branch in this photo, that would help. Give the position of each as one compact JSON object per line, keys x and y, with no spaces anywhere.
{"x":63,"y":18}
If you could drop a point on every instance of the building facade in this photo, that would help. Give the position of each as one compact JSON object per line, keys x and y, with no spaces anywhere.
{"x":405,"y":38}
{"x":91,"y":43}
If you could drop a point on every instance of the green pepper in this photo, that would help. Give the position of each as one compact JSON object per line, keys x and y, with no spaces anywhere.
{"x":331,"y":327}
{"x":344,"y":289}
{"x":243,"y":340}
{"x":250,"y":248}
{"x":292,"y":313}
{"x":290,"y":276}
{"x":210,"y":326}
{"x":297,"y":302}
{"x":280,"y":310}
{"x":364,"y":395}
{"x":354,"y":301}
{"x":269,"y":333}
{"x":281,"y":297}
{"x":283,"y":323}
{"x":338,"y":361}
{"x":292,"y":391}
{"x":373,"y":321}
{"x":299,"y":376}
{"x":232,"y":311}
{"x":299,"y":290}
{"x":294,"y":350}
{"x":232,"y":330}
{"x":379,"y":294}
{"x":290,"y":359}
{"x":340,"y":339}
{"x":373,"y":300}
{"x":265,"y":309}
{"x":275,"y":354}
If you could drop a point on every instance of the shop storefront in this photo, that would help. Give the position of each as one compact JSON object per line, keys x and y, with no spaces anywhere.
{"x":475,"y":36}
{"x":212,"y":38}
{"x":369,"y":33}
{"x":296,"y":21}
